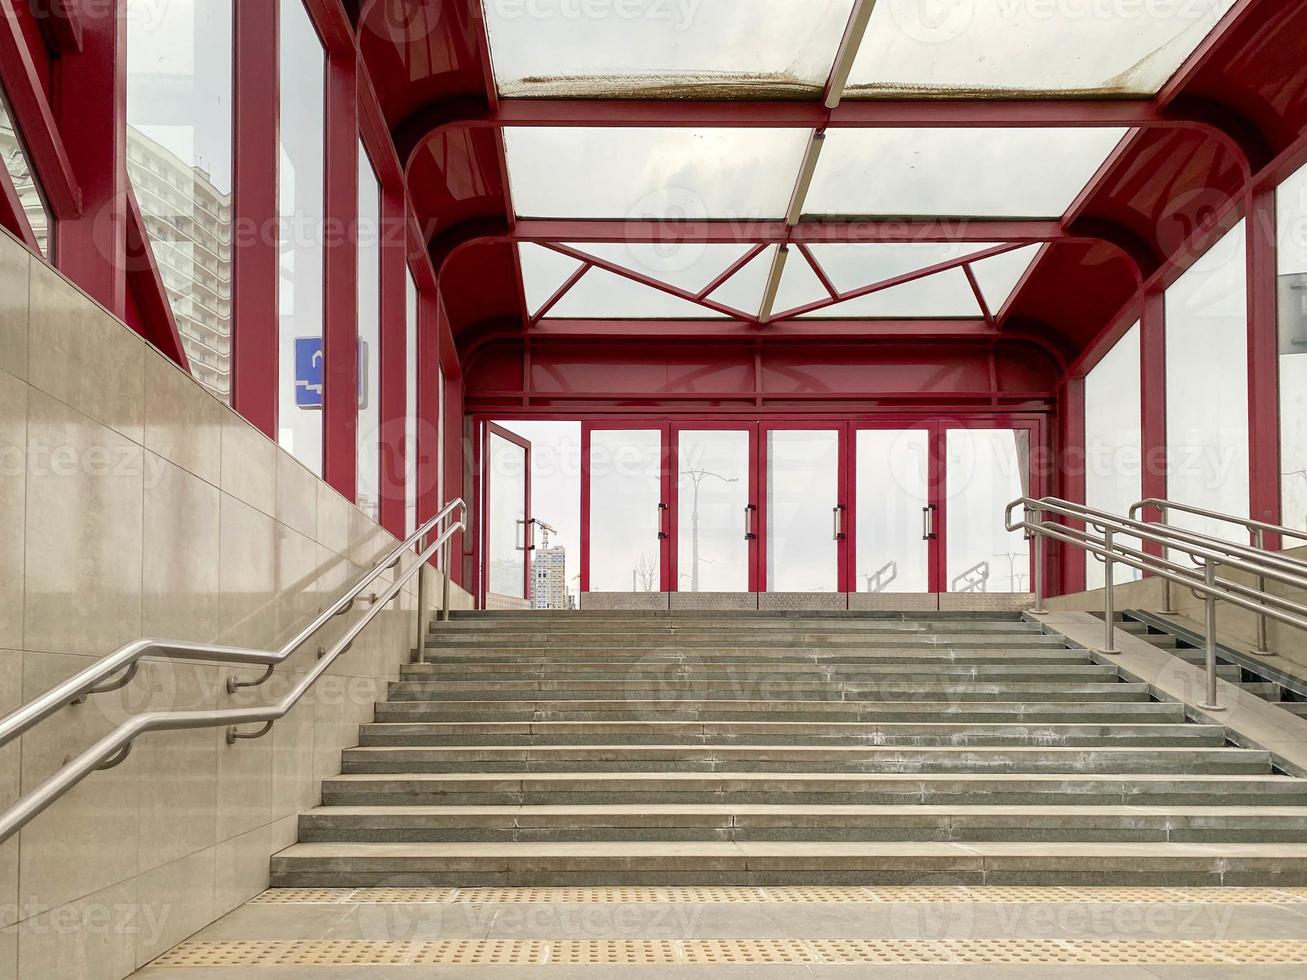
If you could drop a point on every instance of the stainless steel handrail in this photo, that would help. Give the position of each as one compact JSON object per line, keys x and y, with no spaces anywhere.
{"x":1257,"y":531}
{"x":1203,"y":579}
{"x":111,"y":750}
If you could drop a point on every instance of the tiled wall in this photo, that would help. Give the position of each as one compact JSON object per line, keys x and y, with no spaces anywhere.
{"x":132,"y":503}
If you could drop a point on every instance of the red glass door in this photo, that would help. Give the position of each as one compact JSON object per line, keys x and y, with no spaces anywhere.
{"x":804,"y":531}
{"x":715,"y":517}
{"x":506,"y":530}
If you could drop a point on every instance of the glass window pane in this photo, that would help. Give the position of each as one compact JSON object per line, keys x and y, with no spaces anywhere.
{"x":507,"y":524}
{"x":653,"y":173}
{"x":369,"y":322}
{"x":625,"y":473}
{"x":712,"y":494}
{"x":802,"y":492}
{"x":986,"y":469}
{"x":654,"y":49}
{"x":998,"y":276}
{"x":544,"y":272}
{"x":179,"y":160}
{"x":410,"y":401}
{"x":23,"y":176}
{"x":961,"y":49}
{"x":1292,"y":198}
{"x":893,"y":487}
{"x":1207,"y":387}
{"x":691,"y":267}
{"x":851,"y":267}
{"x":743,"y":291}
{"x":601,"y":294}
{"x":945,"y":294}
{"x":1114,"y":442}
{"x":1001,"y":173}
{"x":301,"y":204}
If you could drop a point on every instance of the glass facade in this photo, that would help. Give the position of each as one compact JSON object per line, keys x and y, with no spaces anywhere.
{"x":301,"y":206}
{"x":179,"y":160}
{"x":369,"y":323}
{"x":14,"y":156}
{"x":1207,"y":387}
{"x":1292,"y":277}
{"x":411,"y":402}
{"x":1114,"y":441}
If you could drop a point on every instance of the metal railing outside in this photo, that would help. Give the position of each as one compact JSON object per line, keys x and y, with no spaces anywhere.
{"x":1101,"y":535}
{"x":1257,"y":531}
{"x":122,"y":665}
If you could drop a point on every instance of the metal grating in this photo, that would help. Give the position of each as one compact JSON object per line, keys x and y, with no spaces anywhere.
{"x":733,"y":952}
{"x":813,"y":895}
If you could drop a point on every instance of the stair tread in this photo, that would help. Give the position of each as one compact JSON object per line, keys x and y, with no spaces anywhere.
{"x":766,"y":777}
{"x":763,"y":809}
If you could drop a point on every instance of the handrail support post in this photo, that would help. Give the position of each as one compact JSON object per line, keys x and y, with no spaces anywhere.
{"x":1109,"y":597}
{"x":1209,"y":572}
{"x":446,"y":574}
{"x":1263,"y":624}
{"x":420,"y":647}
{"x":1037,"y":543}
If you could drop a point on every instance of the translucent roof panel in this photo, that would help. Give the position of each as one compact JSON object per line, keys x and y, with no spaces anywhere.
{"x":692,"y":267}
{"x":799,"y":286}
{"x":961,"y":49}
{"x":603,"y":295}
{"x":851,"y":267}
{"x":665,"y":48}
{"x":544,"y":272}
{"x":743,"y":291}
{"x":999,"y":275}
{"x":945,"y":294}
{"x":997,"y":173}
{"x":629,"y":173}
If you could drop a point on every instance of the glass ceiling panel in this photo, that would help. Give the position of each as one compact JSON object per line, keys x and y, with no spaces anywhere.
{"x":998,"y":276}
{"x":627,"y":173}
{"x":799,"y":285}
{"x":543,"y":273}
{"x":691,"y":267}
{"x":996,"y":173}
{"x":945,"y":294}
{"x":743,"y":291}
{"x":604,"y":295}
{"x":985,"y":48}
{"x":851,"y":267}
{"x":664,"y":48}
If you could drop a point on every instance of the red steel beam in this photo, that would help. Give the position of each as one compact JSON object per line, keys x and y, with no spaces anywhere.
{"x":60,"y":24}
{"x":12,"y":214}
{"x":709,"y":329}
{"x":1263,"y":360}
{"x":255,"y":165}
{"x":158,"y":324}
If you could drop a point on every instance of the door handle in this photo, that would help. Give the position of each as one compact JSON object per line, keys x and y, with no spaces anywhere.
{"x":838,"y":533}
{"x":523,"y":525}
{"x":749,"y":533}
{"x":928,"y":523}
{"x":663,"y":533}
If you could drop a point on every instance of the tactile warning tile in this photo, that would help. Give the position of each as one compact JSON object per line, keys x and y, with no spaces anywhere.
{"x":734,"y":952}
{"x":814,"y":895}
{"x":303,"y":896}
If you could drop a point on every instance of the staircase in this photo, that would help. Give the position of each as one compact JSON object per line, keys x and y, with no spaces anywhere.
{"x":756,"y":748}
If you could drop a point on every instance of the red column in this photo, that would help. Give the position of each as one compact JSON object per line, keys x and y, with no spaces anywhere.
{"x":1263,"y":361}
{"x":256,"y":245}
{"x":1152,"y":379}
{"x":1070,"y":472}
{"x":340,"y":265}
{"x":91,"y":109}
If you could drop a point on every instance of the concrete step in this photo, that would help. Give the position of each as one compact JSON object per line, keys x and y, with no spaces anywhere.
{"x":708,"y":622}
{"x":750,"y":674}
{"x":527,"y":824}
{"x":686,"y":788}
{"x":707,"y":710}
{"x":726,"y":640}
{"x":788,"y":733}
{"x":802,"y":759}
{"x":643,"y":687}
{"x":749,"y":655}
{"x":338,"y":864}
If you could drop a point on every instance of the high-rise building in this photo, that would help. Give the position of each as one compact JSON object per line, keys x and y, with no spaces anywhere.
{"x":549,"y":578}
{"x":189,"y":225}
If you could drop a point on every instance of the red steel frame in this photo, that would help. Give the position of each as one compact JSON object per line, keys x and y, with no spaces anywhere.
{"x":485,"y":481}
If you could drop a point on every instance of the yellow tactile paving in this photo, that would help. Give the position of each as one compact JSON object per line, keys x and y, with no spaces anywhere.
{"x":733,"y":952}
{"x":935,"y":894}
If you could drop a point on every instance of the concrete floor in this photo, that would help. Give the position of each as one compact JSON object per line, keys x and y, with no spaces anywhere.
{"x":1195,"y":934}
